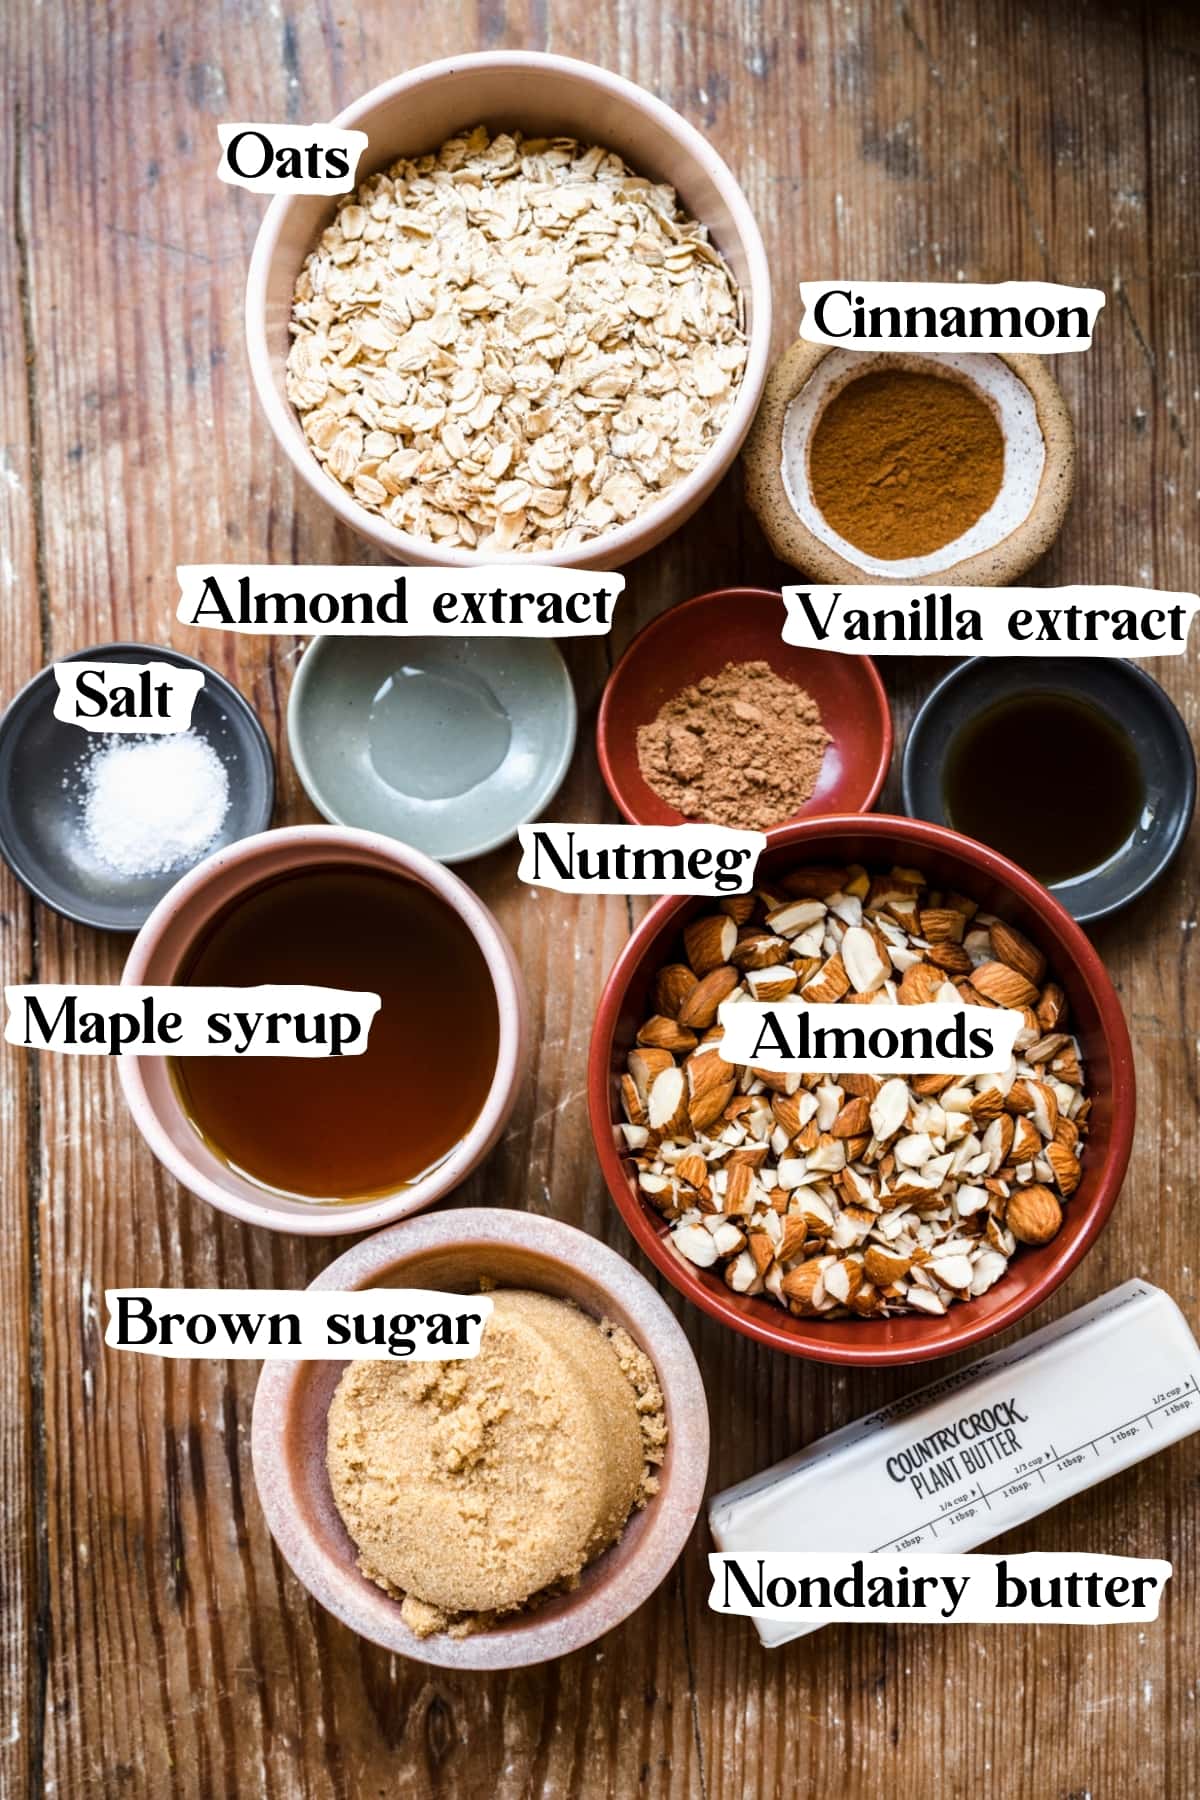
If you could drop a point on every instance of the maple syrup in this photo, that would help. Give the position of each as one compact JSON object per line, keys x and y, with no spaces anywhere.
{"x":351,"y":1127}
{"x":1047,"y":779}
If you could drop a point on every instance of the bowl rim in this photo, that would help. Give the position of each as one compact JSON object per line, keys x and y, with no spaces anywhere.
{"x":232,"y":702}
{"x":554,"y":770}
{"x":662,"y":621}
{"x":795,"y":1337}
{"x":608,"y":548}
{"x":658,"y":1332}
{"x":339,"y":1220}
{"x":1174,"y":730}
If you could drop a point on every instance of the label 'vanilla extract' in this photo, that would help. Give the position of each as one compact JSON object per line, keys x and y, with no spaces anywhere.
{"x":353,"y":1127}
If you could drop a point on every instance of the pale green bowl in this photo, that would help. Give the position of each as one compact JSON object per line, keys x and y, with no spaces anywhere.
{"x":448,"y":744}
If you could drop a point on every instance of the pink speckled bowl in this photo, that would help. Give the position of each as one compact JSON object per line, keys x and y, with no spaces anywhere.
{"x":451,"y":1251}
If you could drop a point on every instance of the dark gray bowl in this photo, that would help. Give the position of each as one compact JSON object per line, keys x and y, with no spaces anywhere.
{"x":1126,"y":694}
{"x":41,"y":835}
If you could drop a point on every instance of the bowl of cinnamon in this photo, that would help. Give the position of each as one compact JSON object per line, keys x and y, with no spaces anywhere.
{"x":709,"y":716}
{"x":872,"y":467}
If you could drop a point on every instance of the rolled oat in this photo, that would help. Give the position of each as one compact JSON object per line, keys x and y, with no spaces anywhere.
{"x":513,"y":344}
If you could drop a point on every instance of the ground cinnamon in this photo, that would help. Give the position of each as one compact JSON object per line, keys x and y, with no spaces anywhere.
{"x":902,"y":462}
{"x":742,"y":747}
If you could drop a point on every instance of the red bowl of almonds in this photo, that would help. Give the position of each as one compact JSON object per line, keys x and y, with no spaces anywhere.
{"x":859,"y":1218}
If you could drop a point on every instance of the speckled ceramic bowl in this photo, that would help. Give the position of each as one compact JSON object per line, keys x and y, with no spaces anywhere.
{"x":451,"y":1252}
{"x":1020,"y":526}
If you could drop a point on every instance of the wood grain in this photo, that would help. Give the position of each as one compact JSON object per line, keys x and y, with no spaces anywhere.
{"x":153,"y":1644}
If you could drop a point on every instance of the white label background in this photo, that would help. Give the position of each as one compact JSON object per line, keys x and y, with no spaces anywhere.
{"x":683,"y":841}
{"x":742,"y":1022}
{"x":311,"y":1308}
{"x":421,"y":588}
{"x":291,"y":137}
{"x":995,"y":607}
{"x":195,"y":1007}
{"x":183,"y":685}
{"x":1024,"y":295}
{"x":979,"y":1603}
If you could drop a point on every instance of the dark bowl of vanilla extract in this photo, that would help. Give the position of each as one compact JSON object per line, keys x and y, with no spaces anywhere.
{"x":1080,"y":769}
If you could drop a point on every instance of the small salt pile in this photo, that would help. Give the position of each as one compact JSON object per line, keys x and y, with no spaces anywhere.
{"x":150,"y":803}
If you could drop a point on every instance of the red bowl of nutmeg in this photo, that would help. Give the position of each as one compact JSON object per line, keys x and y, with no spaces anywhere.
{"x":710,"y":716}
{"x":864,"y":1219}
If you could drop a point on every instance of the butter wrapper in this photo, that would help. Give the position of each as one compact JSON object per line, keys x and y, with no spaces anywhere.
{"x":978,"y":1452}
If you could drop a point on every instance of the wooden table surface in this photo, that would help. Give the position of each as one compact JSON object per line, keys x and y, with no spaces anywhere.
{"x":153,"y":1643}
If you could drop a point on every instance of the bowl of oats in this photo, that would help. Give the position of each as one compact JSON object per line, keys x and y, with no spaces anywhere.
{"x":537,"y":328}
{"x":853,"y":1218}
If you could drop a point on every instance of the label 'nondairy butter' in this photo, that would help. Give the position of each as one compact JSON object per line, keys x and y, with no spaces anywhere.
{"x":979,"y":1452}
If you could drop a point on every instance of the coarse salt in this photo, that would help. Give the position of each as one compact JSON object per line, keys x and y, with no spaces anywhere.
{"x":151,"y":803}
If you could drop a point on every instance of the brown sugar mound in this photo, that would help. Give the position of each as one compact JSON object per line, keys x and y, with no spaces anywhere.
{"x":472,"y":1487}
{"x":742,"y":748}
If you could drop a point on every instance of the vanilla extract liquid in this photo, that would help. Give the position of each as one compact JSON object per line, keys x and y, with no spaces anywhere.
{"x":1046,"y":779}
{"x":350,"y":1127}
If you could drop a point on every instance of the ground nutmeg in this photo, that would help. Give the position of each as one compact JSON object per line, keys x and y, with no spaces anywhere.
{"x":902,"y":462}
{"x":742,"y":747}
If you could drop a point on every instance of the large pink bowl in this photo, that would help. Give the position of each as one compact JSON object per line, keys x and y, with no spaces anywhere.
{"x":1001,"y":887}
{"x":542,"y":95}
{"x":450,"y":1251}
{"x":160,"y":951}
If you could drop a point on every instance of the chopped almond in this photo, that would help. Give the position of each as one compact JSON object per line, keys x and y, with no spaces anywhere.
{"x":843,"y":1195}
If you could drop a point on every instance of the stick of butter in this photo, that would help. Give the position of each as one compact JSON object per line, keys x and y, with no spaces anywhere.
{"x":973,"y":1455}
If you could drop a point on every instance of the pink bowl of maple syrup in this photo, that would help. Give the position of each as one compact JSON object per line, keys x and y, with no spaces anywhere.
{"x":324,"y":1146}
